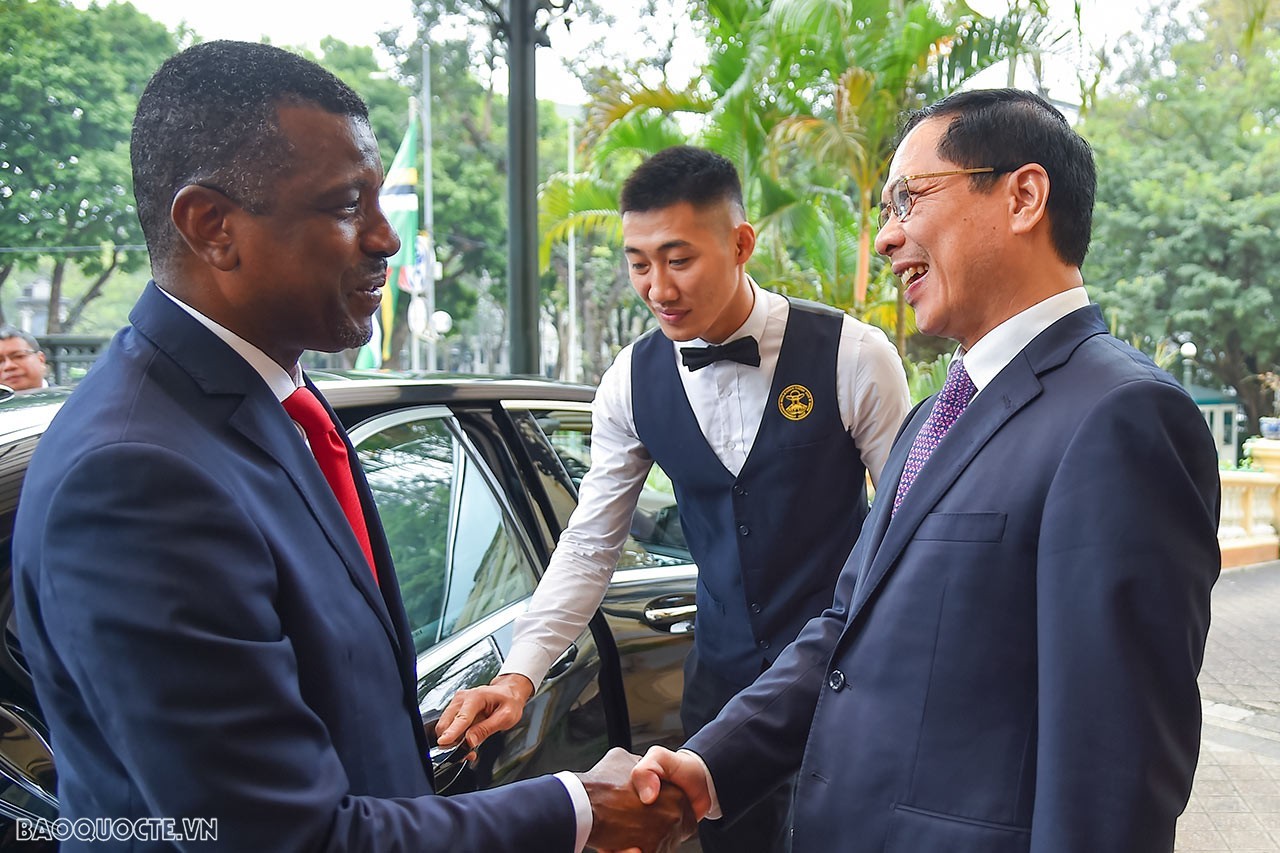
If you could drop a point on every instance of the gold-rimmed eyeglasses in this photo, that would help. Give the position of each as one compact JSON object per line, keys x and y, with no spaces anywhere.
{"x":901,"y":197}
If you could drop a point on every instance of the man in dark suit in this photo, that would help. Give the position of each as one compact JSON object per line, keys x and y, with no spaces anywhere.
{"x":1010,"y":661}
{"x":206,"y":599}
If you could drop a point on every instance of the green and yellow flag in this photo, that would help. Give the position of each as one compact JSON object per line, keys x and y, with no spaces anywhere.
{"x":399,"y":200}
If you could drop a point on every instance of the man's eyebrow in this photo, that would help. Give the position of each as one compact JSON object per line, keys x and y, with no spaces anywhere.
{"x":356,"y":183}
{"x":664,"y":247}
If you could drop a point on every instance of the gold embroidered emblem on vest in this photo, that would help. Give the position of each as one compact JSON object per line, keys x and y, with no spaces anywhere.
{"x":795,"y":402}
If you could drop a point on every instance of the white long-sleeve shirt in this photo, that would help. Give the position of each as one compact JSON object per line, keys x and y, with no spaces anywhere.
{"x":728,"y":399}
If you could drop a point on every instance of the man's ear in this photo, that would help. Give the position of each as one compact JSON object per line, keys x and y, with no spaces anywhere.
{"x":1029,"y":197}
{"x":744,"y":237}
{"x":200,"y":214}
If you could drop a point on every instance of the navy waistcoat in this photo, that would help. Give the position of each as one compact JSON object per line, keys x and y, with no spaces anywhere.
{"x":770,"y":542}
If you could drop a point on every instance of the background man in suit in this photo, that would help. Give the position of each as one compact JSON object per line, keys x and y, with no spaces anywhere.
{"x":768,"y":448}
{"x":211,"y":616}
{"x":23,"y":367}
{"x":1010,"y":661}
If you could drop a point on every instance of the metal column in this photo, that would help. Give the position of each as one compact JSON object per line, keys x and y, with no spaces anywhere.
{"x":522,"y":179}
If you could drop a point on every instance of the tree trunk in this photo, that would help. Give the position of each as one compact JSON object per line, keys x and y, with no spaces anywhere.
{"x":5,"y":269}
{"x":54,"y":324}
{"x":863,"y":275}
{"x":94,"y":291}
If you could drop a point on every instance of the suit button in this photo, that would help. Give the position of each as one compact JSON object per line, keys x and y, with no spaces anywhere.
{"x":744,"y":530}
{"x":835,"y":680}
{"x":738,"y":490}
{"x":764,"y":644}
{"x":755,"y":608}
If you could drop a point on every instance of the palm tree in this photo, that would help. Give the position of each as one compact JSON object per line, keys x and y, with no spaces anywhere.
{"x":804,"y":96}
{"x":888,"y":56}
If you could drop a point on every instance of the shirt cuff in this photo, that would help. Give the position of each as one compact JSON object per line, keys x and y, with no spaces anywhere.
{"x":528,"y":660}
{"x":713,"y":813}
{"x":581,"y":807}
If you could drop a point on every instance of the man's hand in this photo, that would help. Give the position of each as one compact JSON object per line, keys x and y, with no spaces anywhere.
{"x":482,"y":711}
{"x":621,"y":821}
{"x":680,"y":769}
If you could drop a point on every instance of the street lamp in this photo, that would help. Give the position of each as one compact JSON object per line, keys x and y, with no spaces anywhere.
{"x":1188,"y":350}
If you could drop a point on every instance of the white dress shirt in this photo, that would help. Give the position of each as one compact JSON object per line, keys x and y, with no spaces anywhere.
{"x":728,"y":399}
{"x":983,"y":361}
{"x":282,"y":383}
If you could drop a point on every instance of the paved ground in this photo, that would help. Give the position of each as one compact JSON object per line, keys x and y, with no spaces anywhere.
{"x":1235,"y":804}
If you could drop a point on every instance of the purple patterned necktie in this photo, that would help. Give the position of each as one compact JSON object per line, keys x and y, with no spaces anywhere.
{"x":956,"y":393}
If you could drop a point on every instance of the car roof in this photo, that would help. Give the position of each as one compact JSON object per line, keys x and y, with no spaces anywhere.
{"x":361,"y":388}
{"x":29,"y":412}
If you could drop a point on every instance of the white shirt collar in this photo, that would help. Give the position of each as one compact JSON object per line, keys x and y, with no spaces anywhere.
{"x":998,"y":347}
{"x":279,"y":380}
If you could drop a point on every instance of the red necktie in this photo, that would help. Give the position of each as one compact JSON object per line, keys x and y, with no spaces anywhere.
{"x":331,"y":454}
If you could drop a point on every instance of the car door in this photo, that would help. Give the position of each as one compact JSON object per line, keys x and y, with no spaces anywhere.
{"x":28,"y":780}
{"x":466,"y":568}
{"x":650,"y":606}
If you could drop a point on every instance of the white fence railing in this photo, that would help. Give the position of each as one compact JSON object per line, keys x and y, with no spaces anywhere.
{"x":1247,"y":532}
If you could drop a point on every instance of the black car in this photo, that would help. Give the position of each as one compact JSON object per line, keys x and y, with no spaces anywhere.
{"x":474,"y":479}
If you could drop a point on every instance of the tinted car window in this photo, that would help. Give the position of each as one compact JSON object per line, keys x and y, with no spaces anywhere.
{"x":457,"y":552}
{"x":490,"y":569}
{"x":656,"y":535}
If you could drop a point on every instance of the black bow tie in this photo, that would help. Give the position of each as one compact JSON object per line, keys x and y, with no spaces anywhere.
{"x":743,"y":350}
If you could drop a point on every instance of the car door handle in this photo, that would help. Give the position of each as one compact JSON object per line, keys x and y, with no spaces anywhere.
{"x":672,"y":613}
{"x":447,"y":762}
{"x":562,"y":664}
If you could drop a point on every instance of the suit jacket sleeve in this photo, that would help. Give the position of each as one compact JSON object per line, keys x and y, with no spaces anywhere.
{"x":1128,"y":555}
{"x":759,"y":738}
{"x":179,"y":649}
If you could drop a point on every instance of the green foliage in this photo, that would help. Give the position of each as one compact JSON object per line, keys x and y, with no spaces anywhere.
{"x":1189,"y":202}
{"x":69,"y":82}
{"x":924,"y":379}
{"x":388,"y":99}
{"x":804,"y":97}
{"x":469,"y":154}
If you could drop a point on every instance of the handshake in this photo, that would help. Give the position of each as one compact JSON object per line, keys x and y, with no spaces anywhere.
{"x":645,"y":805}
{"x":638,"y":805}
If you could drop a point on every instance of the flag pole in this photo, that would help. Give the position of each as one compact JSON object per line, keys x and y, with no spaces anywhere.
{"x":428,"y":258}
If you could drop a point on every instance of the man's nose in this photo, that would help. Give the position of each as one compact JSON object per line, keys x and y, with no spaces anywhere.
{"x":661,"y":285}
{"x":889,"y":236}
{"x":379,"y":238}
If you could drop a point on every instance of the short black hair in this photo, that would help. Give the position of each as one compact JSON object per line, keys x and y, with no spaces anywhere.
{"x":678,"y":174}
{"x":209,"y":116}
{"x":7,"y":332}
{"x":1008,"y":128}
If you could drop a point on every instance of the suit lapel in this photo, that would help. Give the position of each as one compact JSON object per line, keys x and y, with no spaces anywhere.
{"x":268,"y":427}
{"x":260,"y":418}
{"x":1012,"y":389}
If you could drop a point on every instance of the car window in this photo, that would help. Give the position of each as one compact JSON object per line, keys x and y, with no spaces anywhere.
{"x":656,"y":535}
{"x":458,"y":553}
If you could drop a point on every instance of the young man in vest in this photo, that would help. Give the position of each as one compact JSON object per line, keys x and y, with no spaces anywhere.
{"x":766,"y":412}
